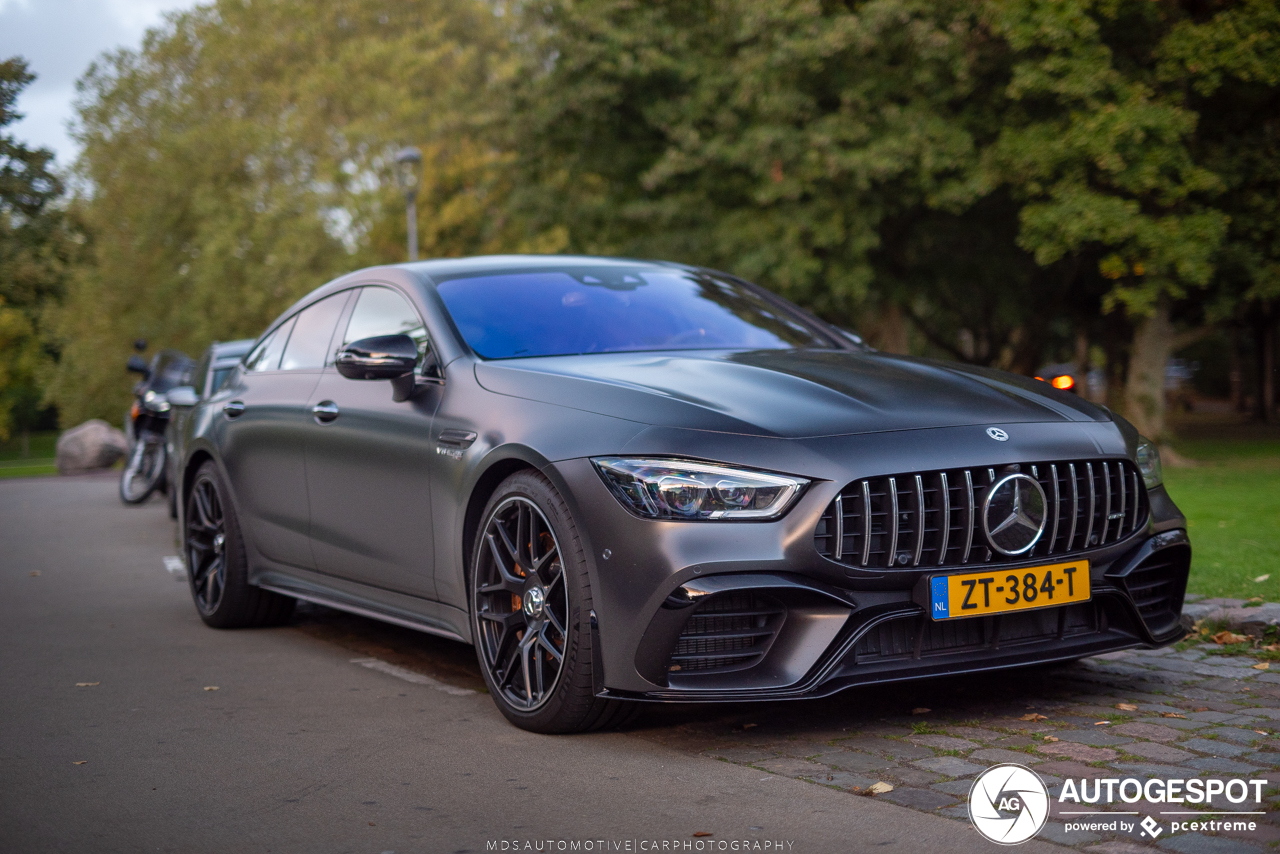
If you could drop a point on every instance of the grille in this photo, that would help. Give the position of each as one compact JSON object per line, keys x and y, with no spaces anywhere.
{"x":728,"y":631}
{"x":1155,"y":586}
{"x":933,"y":518}
{"x":918,"y":637}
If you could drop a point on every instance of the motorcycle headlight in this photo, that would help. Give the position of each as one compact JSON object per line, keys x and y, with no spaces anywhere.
{"x":688,"y":491}
{"x":155,"y":401}
{"x":1148,"y":460}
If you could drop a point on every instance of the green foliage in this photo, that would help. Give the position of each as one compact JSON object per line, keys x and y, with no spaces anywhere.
{"x":243,"y":156}
{"x":34,"y":247}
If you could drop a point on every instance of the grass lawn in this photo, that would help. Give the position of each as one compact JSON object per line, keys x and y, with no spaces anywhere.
{"x":1232,"y":502}
{"x":37,"y":460}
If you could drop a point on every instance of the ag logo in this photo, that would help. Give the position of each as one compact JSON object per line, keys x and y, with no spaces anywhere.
{"x":1008,"y":804}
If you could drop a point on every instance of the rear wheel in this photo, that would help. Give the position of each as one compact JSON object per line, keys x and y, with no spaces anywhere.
{"x":531,"y":601}
{"x":216,"y":566}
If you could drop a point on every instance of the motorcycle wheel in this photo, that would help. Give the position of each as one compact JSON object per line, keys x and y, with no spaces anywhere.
{"x":144,"y":470}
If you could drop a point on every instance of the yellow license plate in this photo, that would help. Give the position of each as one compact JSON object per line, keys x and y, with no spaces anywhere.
{"x":1001,"y":591}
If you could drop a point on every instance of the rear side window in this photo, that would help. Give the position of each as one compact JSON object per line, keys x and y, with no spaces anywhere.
{"x":201,"y":372}
{"x":309,"y":344}
{"x":382,"y":311}
{"x":266,"y":356}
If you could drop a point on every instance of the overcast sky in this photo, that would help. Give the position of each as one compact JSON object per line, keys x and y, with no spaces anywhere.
{"x":59,"y":38}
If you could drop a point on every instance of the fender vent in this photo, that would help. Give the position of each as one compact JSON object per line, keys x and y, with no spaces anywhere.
{"x":728,"y":631}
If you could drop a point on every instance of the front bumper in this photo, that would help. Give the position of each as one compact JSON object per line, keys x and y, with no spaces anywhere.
{"x":785,"y":622}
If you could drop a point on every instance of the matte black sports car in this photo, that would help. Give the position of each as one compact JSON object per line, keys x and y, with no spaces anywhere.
{"x":631,"y":480}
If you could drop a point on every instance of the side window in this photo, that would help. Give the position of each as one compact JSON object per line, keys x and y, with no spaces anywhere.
{"x":266,"y":356}
{"x":201,"y":372}
{"x":309,"y":344}
{"x":382,"y":311}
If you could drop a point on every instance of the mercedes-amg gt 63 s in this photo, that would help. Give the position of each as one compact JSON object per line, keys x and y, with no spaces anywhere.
{"x":628,"y":480}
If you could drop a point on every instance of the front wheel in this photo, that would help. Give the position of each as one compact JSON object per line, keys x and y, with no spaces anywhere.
{"x":531,"y":601}
{"x":144,"y":470}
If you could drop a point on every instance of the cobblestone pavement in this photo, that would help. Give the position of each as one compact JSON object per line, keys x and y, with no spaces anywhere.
{"x":1198,"y":714}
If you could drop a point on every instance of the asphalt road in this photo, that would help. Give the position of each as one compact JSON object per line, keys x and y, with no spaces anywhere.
{"x":300,"y":749}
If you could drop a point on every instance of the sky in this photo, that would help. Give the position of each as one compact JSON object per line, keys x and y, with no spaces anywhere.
{"x":59,"y":38}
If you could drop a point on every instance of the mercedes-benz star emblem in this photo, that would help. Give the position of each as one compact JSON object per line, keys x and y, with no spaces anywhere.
{"x":534,"y":601}
{"x":1008,"y":804}
{"x":997,"y":434}
{"x":1013,"y":514}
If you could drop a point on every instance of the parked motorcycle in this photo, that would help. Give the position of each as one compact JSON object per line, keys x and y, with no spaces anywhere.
{"x":144,"y":471}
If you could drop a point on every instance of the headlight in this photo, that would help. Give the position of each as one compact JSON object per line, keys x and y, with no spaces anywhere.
{"x":155,"y":402}
{"x":1148,"y":459}
{"x":676,"y":489}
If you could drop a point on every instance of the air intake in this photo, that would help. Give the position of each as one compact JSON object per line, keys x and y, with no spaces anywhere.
{"x":728,"y":631}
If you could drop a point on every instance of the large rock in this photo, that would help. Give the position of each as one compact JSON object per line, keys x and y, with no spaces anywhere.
{"x":95,"y":444}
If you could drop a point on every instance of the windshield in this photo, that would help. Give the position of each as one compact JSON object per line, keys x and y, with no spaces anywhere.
{"x":617,"y":309}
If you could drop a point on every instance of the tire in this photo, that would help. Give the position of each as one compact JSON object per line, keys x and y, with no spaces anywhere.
{"x":217,"y":568}
{"x":144,"y":470}
{"x":531,"y":600}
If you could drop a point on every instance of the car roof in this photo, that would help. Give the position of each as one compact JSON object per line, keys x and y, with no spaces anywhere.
{"x":449,"y":267}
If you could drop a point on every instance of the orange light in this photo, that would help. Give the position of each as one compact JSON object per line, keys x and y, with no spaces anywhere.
{"x":1040,"y":378}
{"x":1064,"y":382}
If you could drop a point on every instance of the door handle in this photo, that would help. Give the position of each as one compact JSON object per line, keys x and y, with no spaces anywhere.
{"x":233,"y":409}
{"x":325,"y":411}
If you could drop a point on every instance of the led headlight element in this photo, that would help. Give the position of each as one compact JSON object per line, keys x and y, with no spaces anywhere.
{"x":1148,"y":460}
{"x":677,"y":489}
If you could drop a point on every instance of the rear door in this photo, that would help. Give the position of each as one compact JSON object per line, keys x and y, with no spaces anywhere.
{"x":266,"y":421}
{"x":368,"y":463}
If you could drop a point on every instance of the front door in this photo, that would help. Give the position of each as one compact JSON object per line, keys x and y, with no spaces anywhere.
{"x":367,"y":463}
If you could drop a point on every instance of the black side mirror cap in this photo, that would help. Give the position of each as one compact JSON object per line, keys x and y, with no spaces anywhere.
{"x":383,"y":357}
{"x":136,"y":365}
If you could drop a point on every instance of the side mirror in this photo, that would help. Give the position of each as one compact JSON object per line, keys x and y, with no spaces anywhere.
{"x":136,"y":365}
{"x":383,"y":357}
{"x":183,"y":395}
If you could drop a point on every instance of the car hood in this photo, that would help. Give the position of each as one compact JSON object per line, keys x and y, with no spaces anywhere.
{"x":786,"y":393}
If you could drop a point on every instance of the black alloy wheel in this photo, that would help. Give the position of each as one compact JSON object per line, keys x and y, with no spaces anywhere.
{"x":217,"y":568}
{"x":206,"y":546}
{"x":522,"y":604}
{"x":530,"y":607}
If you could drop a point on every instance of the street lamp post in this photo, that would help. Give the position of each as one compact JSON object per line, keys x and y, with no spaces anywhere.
{"x":407,"y":161}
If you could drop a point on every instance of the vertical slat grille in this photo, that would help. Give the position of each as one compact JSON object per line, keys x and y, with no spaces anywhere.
{"x":934,"y":518}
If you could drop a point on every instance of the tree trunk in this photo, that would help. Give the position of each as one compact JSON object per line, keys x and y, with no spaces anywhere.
{"x":1153,"y":344}
{"x":1267,"y":366}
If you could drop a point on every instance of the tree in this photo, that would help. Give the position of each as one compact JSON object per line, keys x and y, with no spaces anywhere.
{"x":243,"y":156}
{"x":34,"y":248}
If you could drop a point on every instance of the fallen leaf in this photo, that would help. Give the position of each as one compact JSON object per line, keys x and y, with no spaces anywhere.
{"x":34,"y":573}
{"x":1050,"y":738}
{"x":1260,"y":732}
{"x":1034,"y":716}
{"x":1200,"y":709}
{"x":1272,"y":647}
{"x":1229,"y":637}
{"x":1263,"y":666}
{"x":921,"y":710}
{"x":1102,"y":723}
{"x":702,"y":833}
{"x":371,"y":824}
{"x":879,"y":788}
{"x":81,"y":762}
{"x":744,"y":726}
{"x":211,"y":687}
{"x":1172,"y":715}
{"x":1126,"y":707}
{"x":87,"y":684}
{"x":1262,"y":578}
